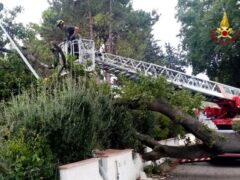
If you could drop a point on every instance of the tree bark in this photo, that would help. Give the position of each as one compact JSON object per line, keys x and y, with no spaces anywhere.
{"x":188,"y":152}
{"x":90,"y":20}
{"x":214,"y":143}
{"x":41,"y":68}
{"x":110,"y":28}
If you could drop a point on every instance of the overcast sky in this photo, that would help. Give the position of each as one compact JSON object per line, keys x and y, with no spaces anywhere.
{"x":165,"y":30}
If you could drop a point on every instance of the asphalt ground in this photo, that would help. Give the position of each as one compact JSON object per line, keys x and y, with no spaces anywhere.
{"x":218,"y":169}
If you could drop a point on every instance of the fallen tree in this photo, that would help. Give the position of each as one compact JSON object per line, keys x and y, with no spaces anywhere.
{"x":213,"y":143}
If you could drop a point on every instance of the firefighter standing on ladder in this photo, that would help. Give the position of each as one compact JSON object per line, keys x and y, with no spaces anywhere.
{"x":71,"y":34}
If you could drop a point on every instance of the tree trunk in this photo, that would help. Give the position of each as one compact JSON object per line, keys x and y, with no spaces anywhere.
{"x":110,"y":28}
{"x":214,"y":143}
{"x":90,"y":20}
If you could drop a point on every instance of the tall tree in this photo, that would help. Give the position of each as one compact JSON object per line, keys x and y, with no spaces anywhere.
{"x":14,"y":75}
{"x":198,"y":18}
{"x":174,"y":58}
{"x":113,"y":23}
{"x":16,"y":30}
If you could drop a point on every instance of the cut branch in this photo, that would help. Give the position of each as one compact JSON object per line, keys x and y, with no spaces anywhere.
{"x":186,"y":152}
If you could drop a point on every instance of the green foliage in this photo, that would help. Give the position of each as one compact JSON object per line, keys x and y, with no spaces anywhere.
{"x":157,"y":125}
{"x":161,"y":129}
{"x":119,"y":133}
{"x":153,"y":124}
{"x":236,"y":126}
{"x":74,"y":117}
{"x":58,"y":122}
{"x":16,"y":30}
{"x":174,"y":58}
{"x":146,"y":89}
{"x":153,"y":169}
{"x":131,"y":30}
{"x":156,"y":169}
{"x":198,"y":18}
{"x":14,"y":76}
{"x":27,"y":156}
{"x":186,"y":101}
{"x":40,"y":50}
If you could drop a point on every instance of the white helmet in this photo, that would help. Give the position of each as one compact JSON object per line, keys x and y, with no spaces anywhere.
{"x":59,"y":23}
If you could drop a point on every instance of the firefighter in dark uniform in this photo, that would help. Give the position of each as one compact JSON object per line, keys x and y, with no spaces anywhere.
{"x":71,"y":34}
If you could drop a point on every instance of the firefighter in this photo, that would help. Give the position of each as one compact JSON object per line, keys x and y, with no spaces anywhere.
{"x":71,"y":34}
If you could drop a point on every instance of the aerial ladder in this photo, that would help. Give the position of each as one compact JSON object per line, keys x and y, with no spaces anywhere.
{"x":131,"y":68}
{"x":227,"y":97}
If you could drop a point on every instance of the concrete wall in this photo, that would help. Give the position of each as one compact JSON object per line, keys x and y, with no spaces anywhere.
{"x":113,"y":164}
{"x":82,"y":170}
{"x":121,"y":164}
{"x":110,"y":165}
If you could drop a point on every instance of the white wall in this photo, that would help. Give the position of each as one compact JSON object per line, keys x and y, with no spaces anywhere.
{"x":114,"y":165}
{"x":121,"y":164}
{"x":82,"y":170}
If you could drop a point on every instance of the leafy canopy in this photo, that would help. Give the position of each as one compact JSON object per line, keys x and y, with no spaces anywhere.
{"x":198,"y":18}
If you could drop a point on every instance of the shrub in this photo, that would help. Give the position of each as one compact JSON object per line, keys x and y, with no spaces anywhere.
{"x":236,"y":126}
{"x":75,"y":118}
{"x":26,"y":156}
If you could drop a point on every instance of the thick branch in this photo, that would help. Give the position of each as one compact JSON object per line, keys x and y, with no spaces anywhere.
{"x":41,"y":68}
{"x":220,"y":143}
{"x":186,"y":152}
{"x":147,"y":140}
{"x":188,"y":122}
{"x":58,"y":51}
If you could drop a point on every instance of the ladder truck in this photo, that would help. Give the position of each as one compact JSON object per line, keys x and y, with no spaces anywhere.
{"x":226,"y":97}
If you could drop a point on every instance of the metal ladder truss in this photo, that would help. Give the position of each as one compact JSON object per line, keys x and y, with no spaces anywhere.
{"x":131,"y":67}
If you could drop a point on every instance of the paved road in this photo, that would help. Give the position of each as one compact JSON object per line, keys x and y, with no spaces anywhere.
{"x":222,"y":169}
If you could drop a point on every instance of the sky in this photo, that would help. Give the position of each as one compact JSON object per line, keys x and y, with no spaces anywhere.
{"x":32,"y":9}
{"x":167,"y":28}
